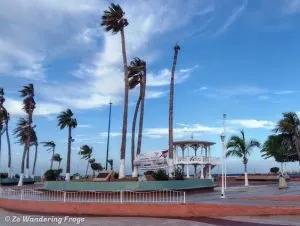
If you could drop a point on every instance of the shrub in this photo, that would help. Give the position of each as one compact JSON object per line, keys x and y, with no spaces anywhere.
{"x":3,"y":175}
{"x":51,"y":175}
{"x":17,"y":176}
{"x":179,"y":175}
{"x":274,"y":170}
{"x":161,"y":175}
{"x":149,"y":172}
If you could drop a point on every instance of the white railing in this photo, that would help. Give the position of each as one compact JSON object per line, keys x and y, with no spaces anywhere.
{"x":164,"y":196}
{"x":197,"y":160}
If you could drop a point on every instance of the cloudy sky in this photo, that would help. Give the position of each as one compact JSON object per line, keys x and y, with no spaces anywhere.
{"x":237,"y":57}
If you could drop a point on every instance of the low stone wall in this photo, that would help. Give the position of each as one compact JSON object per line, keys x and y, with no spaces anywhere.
{"x":142,"y":209}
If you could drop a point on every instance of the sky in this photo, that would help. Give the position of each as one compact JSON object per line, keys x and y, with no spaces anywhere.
{"x":237,"y":57}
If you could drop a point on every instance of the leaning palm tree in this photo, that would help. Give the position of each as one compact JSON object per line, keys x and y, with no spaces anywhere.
{"x":50,"y":145}
{"x":58,"y":159}
{"x":28,"y":106}
{"x":239,"y":147}
{"x":290,"y":125}
{"x":86,"y":153}
{"x":171,"y":103}
{"x":113,"y":20}
{"x":66,"y":119}
{"x":137,"y":75}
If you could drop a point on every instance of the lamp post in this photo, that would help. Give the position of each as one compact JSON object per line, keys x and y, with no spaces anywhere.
{"x":225,"y":159}
{"x":108,"y":133}
{"x":223,"y":154}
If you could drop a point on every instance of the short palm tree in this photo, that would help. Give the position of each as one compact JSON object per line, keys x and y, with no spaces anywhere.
{"x":57,"y":158}
{"x":28,"y":106}
{"x":137,"y":75}
{"x":290,"y":125}
{"x":239,"y":147}
{"x":114,"y":21}
{"x":50,"y":145}
{"x":171,"y":103}
{"x":66,"y":120}
{"x":86,"y":153}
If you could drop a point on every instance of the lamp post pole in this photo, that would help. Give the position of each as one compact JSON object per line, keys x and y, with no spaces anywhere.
{"x":108,"y":133}
{"x":223,"y":154}
{"x":225,"y":151}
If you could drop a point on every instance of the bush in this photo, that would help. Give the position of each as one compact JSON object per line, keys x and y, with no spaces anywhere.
{"x":149,"y":173}
{"x":274,"y":170}
{"x":3,"y":175}
{"x":161,"y":175}
{"x":17,"y":176}
{"x":51,"y":175}
{"x":179,"y":175}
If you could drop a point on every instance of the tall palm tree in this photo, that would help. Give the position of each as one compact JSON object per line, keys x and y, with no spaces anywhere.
{"x":22,"y":133}
{"x":239,"y":147}
{"x":114,"y":20}
{"x":290,"y":125}
{"x":66,"y":119}
{"x":7,"y":118}
{"x":137,"y":75}
{"x":2,"y":118}
{"x":86,"y":153}
{"x":50,"y":145}
{"x":58,"y":159}
{"x":171,"y":103}
{"x":28,"y":106}
{"x":35,"y":143}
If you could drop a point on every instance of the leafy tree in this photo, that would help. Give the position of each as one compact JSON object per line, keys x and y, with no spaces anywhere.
{"x":171,"y":103}
{"x":238,"y":146}
{"x":66,"y":120}
{"x":114,"y":21}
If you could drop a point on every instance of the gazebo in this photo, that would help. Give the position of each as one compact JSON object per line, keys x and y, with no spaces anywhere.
{"x":195,"y":153}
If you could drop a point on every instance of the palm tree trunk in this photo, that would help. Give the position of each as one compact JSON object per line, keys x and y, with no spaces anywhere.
{"x":52,"y":158}
{"x":27,"y":164}
{"x":133,"y":133}
{"x":0,"y":148}
{"x":125,"y":113}
{"x":171,"y":102}
{"x":87,"y":167}
{"x":246,"y":175}
{"x":23,"y":166}
{"x":141,"y":121}
{"x":69,"y":155}
{"x":9,"y":150}
{"x":35,"y":158}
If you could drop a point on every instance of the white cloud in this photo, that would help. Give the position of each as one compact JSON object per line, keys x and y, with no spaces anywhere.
{"x":264,"y":97}
{"x":252,"y":123}
{"x":84,"y":126}
{"x":291,"y":6}
{"x":203,"y":88}
{"x":152,"y":94}
{"x":284,"y":92}
{"x":14,"y":107}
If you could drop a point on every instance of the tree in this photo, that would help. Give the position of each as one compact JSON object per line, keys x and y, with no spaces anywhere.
{"x":111,"y":163}
{"x":137,"y":75}
{"x":290,"y":126}
{"x":274,"y":170}
{"x":28,"y":106}
{"x":239,"y":147}
{"x":50,"y":145}
{"x":35,"y":143}
{"x":113,"y":20}
{"x":4,"y":119}
{"x":86,"y":153}
{"x":96,"y":166}
{"x":171,"y":103}
{"x":66,"y":119}
{"x":91,"y":161}
{"x":57,"y":158}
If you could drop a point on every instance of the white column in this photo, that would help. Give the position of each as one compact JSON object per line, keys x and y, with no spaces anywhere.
{"x":202,"y":175}
{"x":187,"y":171}
{"x":209,"y":171}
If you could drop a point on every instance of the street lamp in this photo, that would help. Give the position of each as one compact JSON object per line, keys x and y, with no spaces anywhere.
{"x":223,"y":154}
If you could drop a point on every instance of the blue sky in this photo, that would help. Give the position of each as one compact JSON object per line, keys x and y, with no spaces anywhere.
{"x":238,"y":57}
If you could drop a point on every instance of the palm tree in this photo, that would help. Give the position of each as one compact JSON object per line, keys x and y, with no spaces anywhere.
{"x":86,"y":153}
{"x":91,"y":161}
{"x":6,"y":119}
{"x":113,"y":20}
{"x":22,"y":133}
{"x":137,"y":75}
{"x":35,"y":143}
{"x":111,"y":163}
{"x":28,"y":106}
{"x":171,"y":103}
{"x":275,"y":147}
{"x":58,"y":159}
{"x":290,"y":125}
{"x":66,"y":119}
{"x":51,"y":148}
{"x":239,"y":147}
{"x":2,"y":119}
